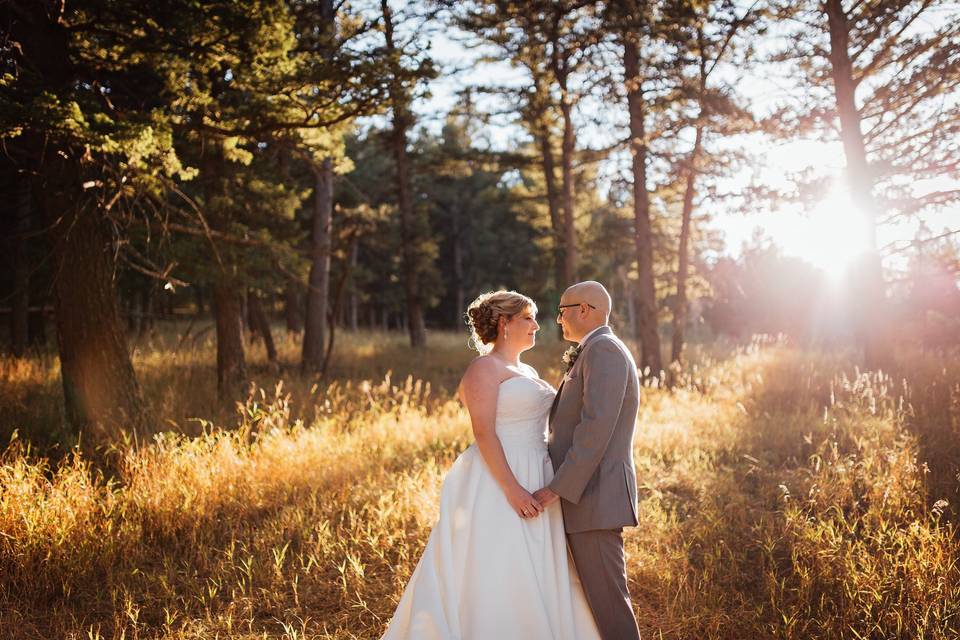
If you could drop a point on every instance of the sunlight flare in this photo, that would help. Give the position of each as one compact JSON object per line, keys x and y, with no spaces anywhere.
{"x":832,"y":236}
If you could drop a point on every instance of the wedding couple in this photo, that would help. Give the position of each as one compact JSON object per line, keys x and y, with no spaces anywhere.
{"x":549,"y":471}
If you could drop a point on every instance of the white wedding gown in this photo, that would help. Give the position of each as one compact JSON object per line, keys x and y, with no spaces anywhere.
{"x":486,"y":573}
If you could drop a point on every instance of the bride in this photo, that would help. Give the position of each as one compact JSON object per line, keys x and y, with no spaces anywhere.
{"x":496,"y":565}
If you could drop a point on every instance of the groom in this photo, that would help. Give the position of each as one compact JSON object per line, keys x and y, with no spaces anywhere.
{"x":591,"y":445}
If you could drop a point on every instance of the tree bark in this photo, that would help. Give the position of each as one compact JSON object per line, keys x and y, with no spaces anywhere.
{"x":457,"y":270}
{"x":566,"y":171}
{"x":318,"y":285}
{"x":681,"y":307}
{"x":648,"y":336}
{"x":198,"y":298}
{"x":292,"y":304}
{"x":231,"y":363}
{"x":225,"y":291}
{"x":261,"y":324}
{"x":20,"y":300}
{"x":873,"y":324}
{"x":336,"y":306}
{"x":402,"y":120}
{"x":548,"y":166}
{"x":100,"y":388}
{"x":146,"y":309}
{"x":354,"y":292}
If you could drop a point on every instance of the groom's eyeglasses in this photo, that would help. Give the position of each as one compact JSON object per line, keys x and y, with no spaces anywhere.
{"x":561,"y":307}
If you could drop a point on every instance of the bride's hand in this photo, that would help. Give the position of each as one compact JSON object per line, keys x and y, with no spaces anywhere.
{"x":524,"y":503}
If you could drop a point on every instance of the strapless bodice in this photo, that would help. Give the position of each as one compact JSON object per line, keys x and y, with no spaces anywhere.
{"x":523,"y":404}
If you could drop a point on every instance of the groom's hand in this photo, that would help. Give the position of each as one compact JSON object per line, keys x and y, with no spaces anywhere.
{"x":545,"y":496}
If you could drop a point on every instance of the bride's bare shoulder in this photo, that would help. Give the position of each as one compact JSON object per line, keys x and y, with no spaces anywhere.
{"x":482,"y":368}
{"x":481,"y":375}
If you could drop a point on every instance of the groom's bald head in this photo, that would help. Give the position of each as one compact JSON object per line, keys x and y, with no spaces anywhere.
{"x":591,"y":292}
{"x":583,"y":307}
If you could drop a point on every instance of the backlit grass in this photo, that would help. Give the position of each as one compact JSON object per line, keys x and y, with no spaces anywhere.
{"x":783,"y":495}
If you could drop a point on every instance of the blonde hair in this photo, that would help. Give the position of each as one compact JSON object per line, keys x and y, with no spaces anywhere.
{"x":484,"y":313}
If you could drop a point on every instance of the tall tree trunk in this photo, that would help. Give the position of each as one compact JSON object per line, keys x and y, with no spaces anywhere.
{"x":198,"y":298}
{"x":129,"y":308}
{"x":682,"y":305}
{"x":537,"y":117}
{"x":648,"y":336}
{"x":354,"y":292}
{"x":409,"y":231}
{"x":100,"y":388}
{"x":628,"y":294}
{"x":556,"y":225}
{"x":225,"y":290}
{"x":261,"y":324}
{"x":566,"y":161}
{"x":146,"y":309}
{"x":457,"y":271}
{"x":292,"y":303}
{"x":337,"y":299}
{"x":861,"y":184}
{"x":228,"y":314}
{"x":38,"y":322}
{"x":318,"y":285}
{"x":20,"y":301}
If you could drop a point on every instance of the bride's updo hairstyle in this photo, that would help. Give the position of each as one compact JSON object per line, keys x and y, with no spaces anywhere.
{"x":484,"y":313}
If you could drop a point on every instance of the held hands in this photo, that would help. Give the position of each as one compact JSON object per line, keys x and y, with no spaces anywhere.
{"x":545,"y":496}
{"x":523,"y":503}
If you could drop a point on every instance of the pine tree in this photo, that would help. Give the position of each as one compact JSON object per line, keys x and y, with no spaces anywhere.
{"x":879,"y":77}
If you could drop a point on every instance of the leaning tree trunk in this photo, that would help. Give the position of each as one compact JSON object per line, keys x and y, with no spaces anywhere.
{"x":318,"y":284}
{"x":682,"y":306}
{"x":409,"y":231}
{"x":648,"y":336}
{"x":20,"y":300}
{"x":100,"y":388}
{"x":873,"y":324}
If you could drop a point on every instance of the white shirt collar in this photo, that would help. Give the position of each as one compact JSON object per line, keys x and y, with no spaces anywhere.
{"x":584,"y":338}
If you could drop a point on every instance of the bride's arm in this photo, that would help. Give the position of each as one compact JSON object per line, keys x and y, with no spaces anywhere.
{"x":479,"y":390}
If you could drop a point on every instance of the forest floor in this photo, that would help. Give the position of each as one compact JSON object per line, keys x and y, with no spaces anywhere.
{"x":783,"y":494}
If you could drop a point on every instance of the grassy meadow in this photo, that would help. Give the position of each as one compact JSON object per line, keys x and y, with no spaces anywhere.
{"x":783,"y":494}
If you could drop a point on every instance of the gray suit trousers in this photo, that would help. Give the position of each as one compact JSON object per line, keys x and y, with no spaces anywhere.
{"x":600,"y":562}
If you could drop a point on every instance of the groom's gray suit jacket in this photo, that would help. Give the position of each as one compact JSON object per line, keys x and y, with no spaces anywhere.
{"x":591,"y":437}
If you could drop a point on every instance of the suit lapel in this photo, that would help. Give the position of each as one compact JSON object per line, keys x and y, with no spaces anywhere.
{"x":556,"y":399}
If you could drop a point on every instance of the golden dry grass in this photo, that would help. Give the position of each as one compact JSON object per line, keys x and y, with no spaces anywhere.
{"x":783,"y":495}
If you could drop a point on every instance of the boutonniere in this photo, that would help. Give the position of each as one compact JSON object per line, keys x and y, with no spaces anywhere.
{"x":570,"y":356}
